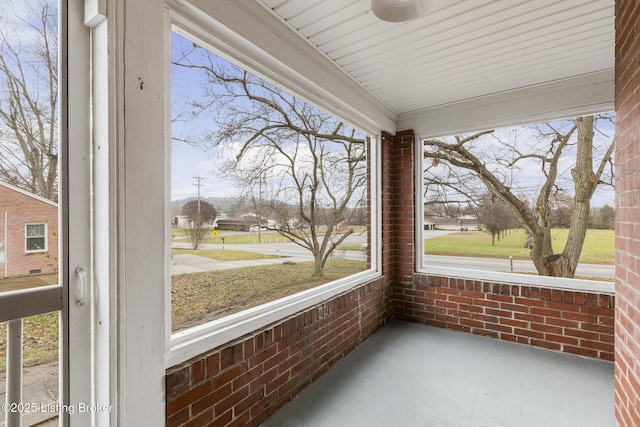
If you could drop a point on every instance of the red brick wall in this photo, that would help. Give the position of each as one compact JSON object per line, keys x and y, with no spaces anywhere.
{"x":567,"y":321}
{"x":387,"y":203}
{"x":22,"y":209}
{"x":627,"y":341}
{"x":247,"y":380}
{"x":402,"y":192}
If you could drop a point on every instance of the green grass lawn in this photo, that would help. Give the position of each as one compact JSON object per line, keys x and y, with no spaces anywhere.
{"x":353,"y":247}
{"x":230,"y":237}
{"x":242,"y":238}
{"x":223,"y":255}
{"x":201,"y":297}
{"x":599,"y":247}
{"x":40,"y":340}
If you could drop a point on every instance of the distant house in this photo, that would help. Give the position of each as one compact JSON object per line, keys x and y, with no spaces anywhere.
{"x":183,"y":221}
{"x":28,"y":233}
{"x":235,"y":223}
{"x":466,"y":223}
{"x":180,"y":221}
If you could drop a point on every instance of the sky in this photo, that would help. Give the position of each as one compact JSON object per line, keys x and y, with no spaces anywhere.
{"x":189,"y":160}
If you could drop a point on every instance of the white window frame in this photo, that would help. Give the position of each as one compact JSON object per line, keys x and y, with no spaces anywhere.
{"x":189,"y":343}
{"x":27,"y":237}
{"x":559,"y":283}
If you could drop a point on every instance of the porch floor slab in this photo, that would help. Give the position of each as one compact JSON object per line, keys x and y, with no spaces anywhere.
{"x":408,"y":374}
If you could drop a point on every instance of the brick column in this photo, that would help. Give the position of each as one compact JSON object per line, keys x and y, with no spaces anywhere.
{"x":398,"y":215}
{"x":627,"y":318}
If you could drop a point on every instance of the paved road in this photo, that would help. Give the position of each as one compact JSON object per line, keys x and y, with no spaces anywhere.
{"x":519,"y":266}
{"x":291,"y":250}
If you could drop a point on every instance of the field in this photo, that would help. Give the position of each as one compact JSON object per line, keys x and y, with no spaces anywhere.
{"x":223,"y":255}
{"x":599,"y":247}
{"x":230,"y":237}
{"x":241,"y":238}
{"x":197,"y":298}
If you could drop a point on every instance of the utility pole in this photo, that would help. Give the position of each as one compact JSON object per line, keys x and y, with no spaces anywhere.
{"x":259,"y":210}
{"x":198,"y":178}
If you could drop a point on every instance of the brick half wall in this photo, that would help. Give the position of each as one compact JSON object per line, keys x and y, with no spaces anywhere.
{"x":563,"y":320}
{"x":247,"y":380}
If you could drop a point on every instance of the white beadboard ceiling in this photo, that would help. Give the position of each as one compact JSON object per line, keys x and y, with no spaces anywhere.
{"x":460,"y":50}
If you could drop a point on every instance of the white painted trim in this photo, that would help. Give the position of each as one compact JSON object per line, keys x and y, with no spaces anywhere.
{"x":200,"y":339}
{"x":95,"y":12}
{"x":29,"y":302}
{"x":244,"y":32}
{"x":419,"y":204}
{"x":137,"y":110}
{"x":13,"y":394}
{"x":572,"y":97}
{"x":376,"y":204}
{"x":103,"y":153}
{"x":560,"y":283}
{"x":75,"y":215}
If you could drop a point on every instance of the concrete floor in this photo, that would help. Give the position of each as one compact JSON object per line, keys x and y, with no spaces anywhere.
{"x":414,"y":375}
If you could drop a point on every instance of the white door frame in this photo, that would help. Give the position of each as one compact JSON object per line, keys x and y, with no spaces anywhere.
{"x":75,"y":125}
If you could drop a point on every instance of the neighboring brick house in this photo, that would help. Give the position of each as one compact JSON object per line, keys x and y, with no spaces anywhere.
{"x":28,"y":233}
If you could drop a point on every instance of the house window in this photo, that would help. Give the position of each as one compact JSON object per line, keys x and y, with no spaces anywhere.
{"x":36,"y":237}
{"x":269,"y":208}
{"x":508,"y":200}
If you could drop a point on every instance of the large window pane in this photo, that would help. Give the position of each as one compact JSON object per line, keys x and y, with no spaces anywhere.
{"x":534,"y":199}
{"x":268,"y":193}
{"x":29,"y":185}
{"x":28,"y":139}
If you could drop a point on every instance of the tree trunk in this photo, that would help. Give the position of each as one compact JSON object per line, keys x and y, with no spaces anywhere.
{"x":558,"y":266}
{"x":585,"y":182}
{"x":318,"y":264}
{"x":542,"y":242}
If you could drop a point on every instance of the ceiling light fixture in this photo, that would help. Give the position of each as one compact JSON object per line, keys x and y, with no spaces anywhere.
{"x":398,"y":10}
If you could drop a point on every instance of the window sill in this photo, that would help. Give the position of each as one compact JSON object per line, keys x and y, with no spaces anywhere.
{"x":559,"y":283}
{"x":197,"y":340}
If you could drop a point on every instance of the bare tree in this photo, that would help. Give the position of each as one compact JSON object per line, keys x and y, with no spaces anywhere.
{"x":607,"y":217}
{"x":28,"y":100}
{"x":314,"y":164}
{"x":561,"y":206}
{"x":201,"y":215}
{"x":494,"y":215}
{"x":468,"y":161}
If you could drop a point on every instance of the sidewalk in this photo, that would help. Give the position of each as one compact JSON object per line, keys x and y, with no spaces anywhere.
{"x":40,"y":389}
{"x":189,"y":263}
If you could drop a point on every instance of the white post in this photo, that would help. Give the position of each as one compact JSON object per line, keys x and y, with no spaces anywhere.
{"x":13,"y":417}
{"x":6,"y":252}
